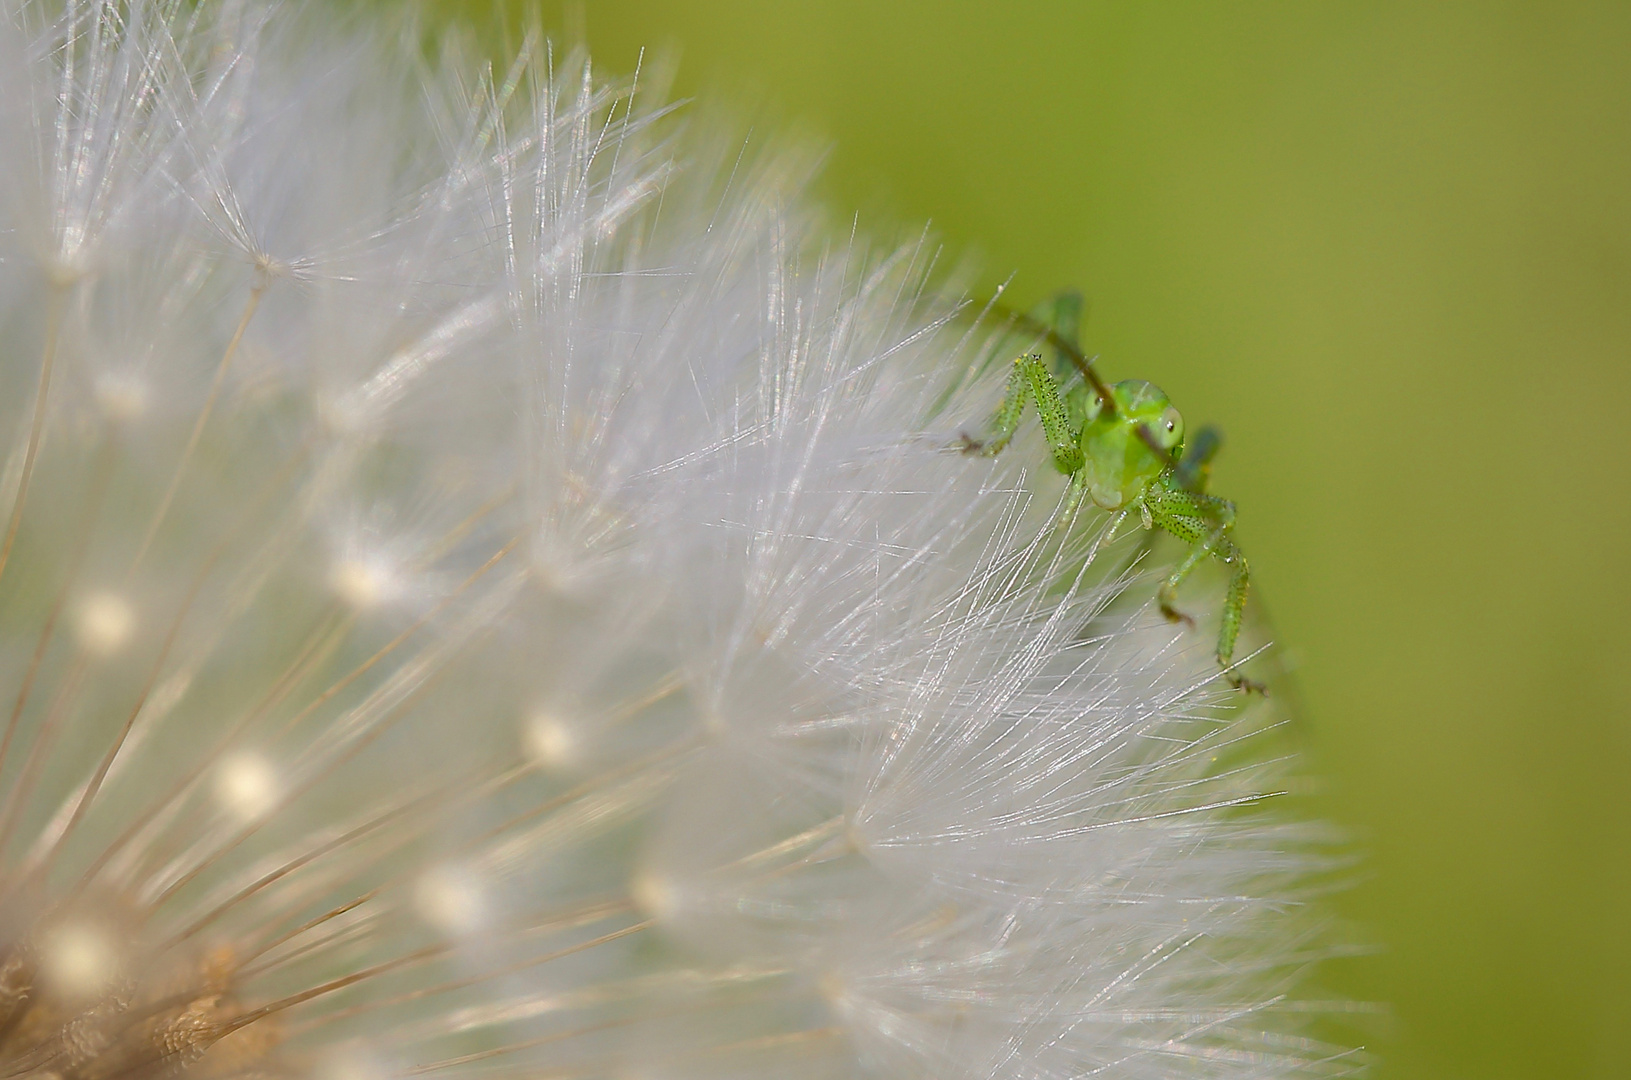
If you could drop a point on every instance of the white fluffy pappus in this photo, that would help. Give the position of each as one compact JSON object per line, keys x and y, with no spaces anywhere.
{"x":486,"y":592}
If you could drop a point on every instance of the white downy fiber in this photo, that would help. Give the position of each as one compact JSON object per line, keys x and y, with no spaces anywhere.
{"x":486,"y":593}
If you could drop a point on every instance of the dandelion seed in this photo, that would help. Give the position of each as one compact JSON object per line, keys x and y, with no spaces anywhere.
{"x":449,"y":899}
{"x":552,"y":742}
{"x":364,"y":583}
{"x":123,"y":400}
{"x":79,"y":960}
{"x":246,"y":785}
{"x":104,"y":624}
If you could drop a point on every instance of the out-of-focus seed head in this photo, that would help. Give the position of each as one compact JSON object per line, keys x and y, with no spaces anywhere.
{"x":486,"y":592}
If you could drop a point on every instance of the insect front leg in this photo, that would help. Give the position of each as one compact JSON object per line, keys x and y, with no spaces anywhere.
{"x":1167,"y":597}
{"x":1064,"y":442}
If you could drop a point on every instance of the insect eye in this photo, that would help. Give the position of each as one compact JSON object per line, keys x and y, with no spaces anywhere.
{"x":1171,"y":431}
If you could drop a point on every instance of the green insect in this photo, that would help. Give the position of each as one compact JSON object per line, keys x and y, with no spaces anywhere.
{"x":1124,"y":449}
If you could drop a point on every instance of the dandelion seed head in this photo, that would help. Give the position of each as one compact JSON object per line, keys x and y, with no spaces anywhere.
{"x":556,"y":633}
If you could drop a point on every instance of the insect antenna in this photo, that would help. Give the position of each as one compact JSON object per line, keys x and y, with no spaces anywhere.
{"x":1066,"y":347}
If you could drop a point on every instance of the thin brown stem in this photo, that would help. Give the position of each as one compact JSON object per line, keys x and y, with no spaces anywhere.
{"x":464,"y":528}
{"x":95,"y":786}
{"x":357,"y":747}
{"x":53,"y":326}
{"x":215,"y":555}
{"x":282,"y":1004}
{"x":391,"y":646}
{"x":198,"y":426}
{"x":248,"y":970}
{"x":783,"y":1038}
{"x":517,"y":1047}
{"x":317,"y":645}
{"x":816,"y":834}
{"x":244,"y":834}
{"x":566,"y":798}
{"x":304,"y":859}
{"x":82,"y":541}
{"x":37,"y":754}
{"x":472,"y":980}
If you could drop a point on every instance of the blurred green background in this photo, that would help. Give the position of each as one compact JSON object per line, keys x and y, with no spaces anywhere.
{"x":1388,"y":247}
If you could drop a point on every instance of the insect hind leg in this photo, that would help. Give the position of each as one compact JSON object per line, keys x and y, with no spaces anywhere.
{"x":1005,"y":421}
{"x":1234,"y":607}
{"x":1204,"y":522}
